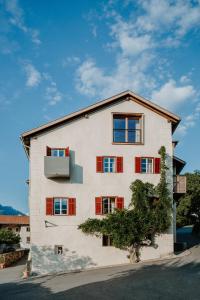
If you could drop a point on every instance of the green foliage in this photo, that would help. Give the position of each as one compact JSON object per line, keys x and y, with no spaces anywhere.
{"x":188,"y":208}
{"x":149,"y":214}
{"x":8,"y":237}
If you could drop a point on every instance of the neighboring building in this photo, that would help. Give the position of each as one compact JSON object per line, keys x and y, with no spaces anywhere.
{"x":19,"y":225}
{"x":81,"y":166}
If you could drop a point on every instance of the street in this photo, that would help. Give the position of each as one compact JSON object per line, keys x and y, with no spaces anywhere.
{"x":170,"y":279}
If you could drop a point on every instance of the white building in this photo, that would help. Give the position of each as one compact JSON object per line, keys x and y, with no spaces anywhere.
{"x":19,"y":225}
{"x":81,"y":166}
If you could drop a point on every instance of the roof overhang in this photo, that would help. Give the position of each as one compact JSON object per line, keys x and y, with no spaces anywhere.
{"x":127,"y":95}
{"x":179,"y":163}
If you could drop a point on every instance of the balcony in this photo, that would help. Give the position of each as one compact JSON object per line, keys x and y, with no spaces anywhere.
{"x":179,"y":186}
{"x":56,"y":167}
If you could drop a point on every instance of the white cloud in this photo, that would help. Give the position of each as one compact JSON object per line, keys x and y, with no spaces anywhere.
{"x":189,"y":121}
{"x":171,"y":95}
{"x":17,"y":19}
{"x":165,"y":14}
{"x":128,"y":40}
{"x":33,"y":75}
{"x":92,"y":80}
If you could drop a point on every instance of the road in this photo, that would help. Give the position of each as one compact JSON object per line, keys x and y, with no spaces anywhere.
{"x":177,"y":278}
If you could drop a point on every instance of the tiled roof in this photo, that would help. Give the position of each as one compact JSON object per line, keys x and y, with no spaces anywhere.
{"x":21,"y":220}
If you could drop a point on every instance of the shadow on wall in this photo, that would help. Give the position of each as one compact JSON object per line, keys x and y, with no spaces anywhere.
{"x":76,"y":172}
{"x":44,"y":260}
{"x":167,"y":280}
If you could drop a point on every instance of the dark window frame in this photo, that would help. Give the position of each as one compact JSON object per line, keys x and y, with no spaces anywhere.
{"x":127,"y":130}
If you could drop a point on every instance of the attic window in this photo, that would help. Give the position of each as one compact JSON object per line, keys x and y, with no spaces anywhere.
{"x":127,"y":129}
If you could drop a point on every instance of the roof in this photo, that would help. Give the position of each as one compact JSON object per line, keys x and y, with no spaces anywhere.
{"x":18,"y":220}
{"x":127,"y":95}
{"x":180,"y":164}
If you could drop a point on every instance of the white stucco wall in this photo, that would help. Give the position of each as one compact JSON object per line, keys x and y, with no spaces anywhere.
{"x":88,"y":138}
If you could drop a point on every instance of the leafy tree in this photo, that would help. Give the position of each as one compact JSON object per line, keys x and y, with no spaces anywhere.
{"x":149,"y":214}
{"x":188,"y":208}
{"x":8,"y":237}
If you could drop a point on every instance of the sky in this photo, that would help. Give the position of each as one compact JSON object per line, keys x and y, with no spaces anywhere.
{"x":59,"y":56}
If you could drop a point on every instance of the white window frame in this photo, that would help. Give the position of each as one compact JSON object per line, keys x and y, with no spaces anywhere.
{"x":109,"y":164}
{"x":60,"y":200}
{"x":57,"y":152}
{"x":111,"y":207}
{"x":147,"y":165}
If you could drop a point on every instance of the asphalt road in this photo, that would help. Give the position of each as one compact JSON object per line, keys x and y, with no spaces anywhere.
{"x":177,"y":278}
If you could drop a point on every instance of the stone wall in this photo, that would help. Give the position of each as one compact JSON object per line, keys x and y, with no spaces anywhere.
{"x":6,"y":259}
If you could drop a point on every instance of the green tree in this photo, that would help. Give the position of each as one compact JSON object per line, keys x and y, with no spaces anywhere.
{"x":188,"y":207}
{"x":8,"y":237}
{"x":149,"y":214}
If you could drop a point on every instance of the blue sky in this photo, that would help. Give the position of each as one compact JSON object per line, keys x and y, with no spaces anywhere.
{"x":59,"y":56}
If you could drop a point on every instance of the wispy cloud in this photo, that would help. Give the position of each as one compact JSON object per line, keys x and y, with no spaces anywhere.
{"x":52,"y":93}
{"x":16,"y":18}
{"x":33,"y":75}
{"x":189,"y":121}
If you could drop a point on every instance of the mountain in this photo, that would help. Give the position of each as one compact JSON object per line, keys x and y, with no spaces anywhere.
{"x":8,"y":210}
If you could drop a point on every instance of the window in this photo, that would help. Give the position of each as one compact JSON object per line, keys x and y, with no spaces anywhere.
{"x":60,"y":206}
{"x":107,"y":240}
{"x":28,"y":239}
{"x":108,"y":205}
{"x":127,"y":129}
{"x":146,"y":165}
{"x":58,"y":249}
{"x":17,"y":229}
{"x":28,"y":229}
{"x":58,"y":152}
{"x":109,"y":164}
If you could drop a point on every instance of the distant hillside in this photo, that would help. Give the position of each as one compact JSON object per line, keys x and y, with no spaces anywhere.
{"x":8,"y":210}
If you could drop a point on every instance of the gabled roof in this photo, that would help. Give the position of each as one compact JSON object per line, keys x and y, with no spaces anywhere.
{"x":17,"y":220}
{"x":127,"y":95}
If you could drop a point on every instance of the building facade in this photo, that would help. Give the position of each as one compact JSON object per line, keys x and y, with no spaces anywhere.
{"x":81,"y":166}
{"x":19,"y":225}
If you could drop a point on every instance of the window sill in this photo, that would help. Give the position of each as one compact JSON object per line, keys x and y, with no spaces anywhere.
{"x":117,"y":143}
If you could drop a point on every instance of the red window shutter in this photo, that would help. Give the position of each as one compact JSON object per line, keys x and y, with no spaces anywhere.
{"x":137,"y":164}
{"x":119,"y":160}
{"x":120,"y":203}
{"x":67,"y":151}
{"x":49,"y":206}
{"x":98,"y":206}
{"x":48,"y":151}
{"x":99,"y":164}
{"x":157,"y":165}
{"x":72,"y":206}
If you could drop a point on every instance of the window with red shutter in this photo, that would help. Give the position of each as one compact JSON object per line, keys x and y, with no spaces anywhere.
{"x":48,"y":151}
{"x":120,"y":203}
{"x":49,"y":206}
{"x":119,"y":168}
{"x":137,"y":164}
{"x":98,"y":206}
{"x":99,"y":164}
{"x":67,"y":152}
{"x":72,"y":206}
{"x":157,"y":165}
